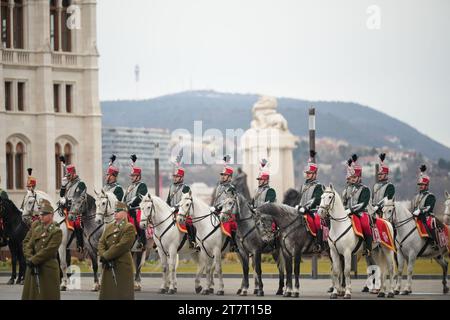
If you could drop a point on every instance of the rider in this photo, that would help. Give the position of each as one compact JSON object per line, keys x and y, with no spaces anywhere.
{"x":133,"y":197}
{"x":264,"y":193}
{"x":111,"y":181}
{"x":31,"y":186}
{"x":176,"y":191}
{"x":72,"y":187}
{"x":220,"y":195}
{"x":3,"y":237}
{"x":310,"y":197}
{"x":424,"y":202}
{"x":383,"y":188}
{"x":357,"y":198}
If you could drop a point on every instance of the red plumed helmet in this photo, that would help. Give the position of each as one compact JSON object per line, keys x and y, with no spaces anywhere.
{"x":112,"y":170}
{"x":263,"y":176}
{"x":70,"y":169}
{"x":136,"y":171}
{"x":227,"y":171}
{"x":179,"y":172}
{"x":384,"y":168}
{"x":424,"y":179}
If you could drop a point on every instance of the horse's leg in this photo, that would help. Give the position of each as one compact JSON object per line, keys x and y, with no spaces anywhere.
{"x":388,"y":270}
{"x":165,"y":273}
{"x":336,"y":273}
{"x":297,"y":261}
{"x":444,"y":265}
{"x":22,"y":266}
{"x":198,"y":275}
{"x":137,"y":259}
{"x":258,"y":270}
{"x":208,"y":267}
{"x":410,"y":269}
{"x":245,"y":266}
{"x":62,"y":259}
{"x":13,"y":250}
{"x":279,"y":259}
{"x":218,"y":263}
{"x":288,"y":266}
{"x":172,"y":269}
{"x":399,"y":275}
{"x":94,"y":260}
{"x":347,"y":271}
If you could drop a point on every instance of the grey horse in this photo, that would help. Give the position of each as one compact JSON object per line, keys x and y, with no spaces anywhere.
{"x":252,"y":241}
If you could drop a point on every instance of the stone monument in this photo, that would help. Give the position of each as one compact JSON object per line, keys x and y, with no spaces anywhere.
{"x":269,"y":138}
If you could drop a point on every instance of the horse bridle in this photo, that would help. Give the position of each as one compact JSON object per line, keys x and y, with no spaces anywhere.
{"x":108,"y":204}
{"x":330,"y":206}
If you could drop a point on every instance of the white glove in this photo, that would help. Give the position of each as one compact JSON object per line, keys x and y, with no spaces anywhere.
{"x":62,"y":201}
{"x":416,"y":213}
{"x":173,"y":209}
{"x":302,"y":210}
{"x":375,"y":209}
{"x":64,"y":182}
{"x":212,"y":209}
{"x":348,"y":211}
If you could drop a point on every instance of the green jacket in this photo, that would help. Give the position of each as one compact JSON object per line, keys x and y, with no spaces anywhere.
{"x":115,"y":245}
{"x":3,"y":194}
{"x":40,"y":246}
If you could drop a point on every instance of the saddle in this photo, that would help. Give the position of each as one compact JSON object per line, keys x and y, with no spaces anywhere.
{"x":380,"y":231}
{"x":135,"y":221}
{"x":422,"y":229}
{"x":182,"y":227}
{"x":361,"y":225}
{"x":312,"y":224}
{"x":71,"y":224}
{"x":440,"y":229}
{"x":228,"y":227}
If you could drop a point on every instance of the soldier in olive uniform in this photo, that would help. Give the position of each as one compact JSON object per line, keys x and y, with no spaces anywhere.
{"x":356,"y":199}
{"x":133,"y":197}
{"x":423,"y":204}
{"x":111,"y":181}
{"x":114,"y":250}
{"x":383,"y":188}
{"x":72,"y":187}
{"x":220,"y":195}
{"x":310,"y":197}
{"x":40,"y":248}
{"x":176,"y":191}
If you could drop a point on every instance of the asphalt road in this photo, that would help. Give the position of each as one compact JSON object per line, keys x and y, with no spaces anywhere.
{"x":309,"y":289}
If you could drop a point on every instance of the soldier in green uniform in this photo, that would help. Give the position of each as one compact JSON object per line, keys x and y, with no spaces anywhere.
{"x":114,"y":250}
{"x":356,"y":199}
{"x":40,"y":248}
{"x":176,"y":191}
{"x":383,"y":188}
{"x":264,"y":193}
{"x":310,"y":197}
{"x":133,"y":197}
{"x":424,"y":202}
{"x":72,"y":187}
{"x":111,"y":181}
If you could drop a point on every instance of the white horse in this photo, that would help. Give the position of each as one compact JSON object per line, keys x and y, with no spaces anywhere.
{"x":30,"y":211}
{"x":344,"y":242}
{"x":167,"y":237}
{"x":410,"y":245}
{"x":209,"y":238}
{"x":447,"y":208}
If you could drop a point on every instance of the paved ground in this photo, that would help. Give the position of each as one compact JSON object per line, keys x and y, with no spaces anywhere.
{"x":310,"y":289}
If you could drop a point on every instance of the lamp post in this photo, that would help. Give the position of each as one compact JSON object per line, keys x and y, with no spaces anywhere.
{"x":312,"y":147}
{"x":157,"y":189}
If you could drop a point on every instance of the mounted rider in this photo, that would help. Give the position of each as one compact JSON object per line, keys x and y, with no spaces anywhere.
{"x":423,"y":204}
{"x":133,"y":197}
{"x":72,"y":187}
{"x":356,"y":199}
{"x":3,"y":238}
{"x":31,"y":187}
{"x":176,"y":191}
{"x":111,"y":180}
{"x":310,"y":196}
{"x":223,"y":189}
{"x":264,"y":193}
{"x":383,"y":188}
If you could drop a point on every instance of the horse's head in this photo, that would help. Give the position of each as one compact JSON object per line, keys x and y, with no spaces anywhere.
{"x":229,"y":206}
{"x":327,"y":202}
{"x":291,"y":197}
{"x":78,"y":206}
{"x":388,"y":209}
{"x":447,"y":208}
{"x":147,"y":211}
{"x":29,"y":207}
{"x":185,"y":206}
{"x":105,"y":202}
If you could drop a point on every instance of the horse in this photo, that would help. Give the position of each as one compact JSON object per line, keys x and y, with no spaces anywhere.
{"x":210,"y":239}
{"x":15,"y":230}
{"x":447,"y":209}
{"x":169,"y":240}
{"x":84,"y":206}
{"x":105,"y":209}
{"x":344,"y":242}
{"x":410,"y":245}
{"x":31,"y":212}
{"x":251,"y":241}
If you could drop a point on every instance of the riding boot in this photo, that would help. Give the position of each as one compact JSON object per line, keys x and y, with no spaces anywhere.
{"x":80,"y":239}
{"x":319,"y":241}
{"x":142,"y":239}
{"x":431,"y":234}
{"x":368,"y":245}
{"x":192,"y":235}
{"x":233,"y":244}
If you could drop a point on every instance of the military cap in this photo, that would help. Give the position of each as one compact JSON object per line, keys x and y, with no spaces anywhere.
{"x":120,"y":206}
{"x":45,"y":207}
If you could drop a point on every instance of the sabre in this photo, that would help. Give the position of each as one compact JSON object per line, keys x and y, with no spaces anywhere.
{"x":36,"y":274}
{"x":113,"y":272}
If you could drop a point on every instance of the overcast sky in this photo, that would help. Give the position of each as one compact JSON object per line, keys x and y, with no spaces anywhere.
{"x":317,"y":49}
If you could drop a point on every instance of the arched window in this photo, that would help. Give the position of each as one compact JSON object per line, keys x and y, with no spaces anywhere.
{"x":66,"y":33}
{"x":58,"y":166}
{"x":9,"y":167}
{"x":19,"y":164}
{"x":18,"y":24}
{"x":54,"y":26}
{"x":68,"y":153}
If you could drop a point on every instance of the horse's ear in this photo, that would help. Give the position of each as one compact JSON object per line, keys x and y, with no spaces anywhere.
{"x":96,"y":193}
{"x":447,"y":195}
{"x":331,"y":187}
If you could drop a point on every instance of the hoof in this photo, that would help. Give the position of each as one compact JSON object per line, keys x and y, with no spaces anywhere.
{"x":211,"y":291}
{"x":205,"y":292}
{"x":137,"y":288}
{"x":198,"y":290}
{"x":375,"y":291}
{"x":239,"y":292}
{"x":296,"y":295}
{"x":171,"y":291}
{"x":162,"y":291}
{"x":63,"y":288}
{"x":243,"y":294}
{"x":381,"y":295}
{"x":95,"y":288}
{"x":175,"y":289}
{"x":405,"y":292}
{"x":255,"y":292}
{"x":365,"y":289}
{"x":11,"y":281}
{"x":330,"y":290}
{"x":347,"y":296}
{"x":19,"y":281}
{"x":279,"y":292}
{"x":287,"y":294}
{"x":333,"y":296}
{"x":260,"y":293}
{"x":220,"y":293}
{"x":390,"y":295}
{"x":341,"y":293}
{"x":445,"y":290}
{"x":396,"y":292}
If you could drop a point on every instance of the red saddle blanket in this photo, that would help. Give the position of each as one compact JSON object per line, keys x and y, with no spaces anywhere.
{"x":361,"y":226}
{"x":133,"y":221}
{"x":72,"y":224}
{"x":312,"y":224}
{"x":421,"y":228}
{"x":228,"y":227}
{"x":442,"y":235}
{"x":383,"y":234}
{"x":182,"y":226}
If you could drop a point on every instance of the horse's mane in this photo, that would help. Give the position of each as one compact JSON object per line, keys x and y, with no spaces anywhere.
{"x":160,"y":202}
{"x":272,"y":209}
{"x":11,"y":206}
